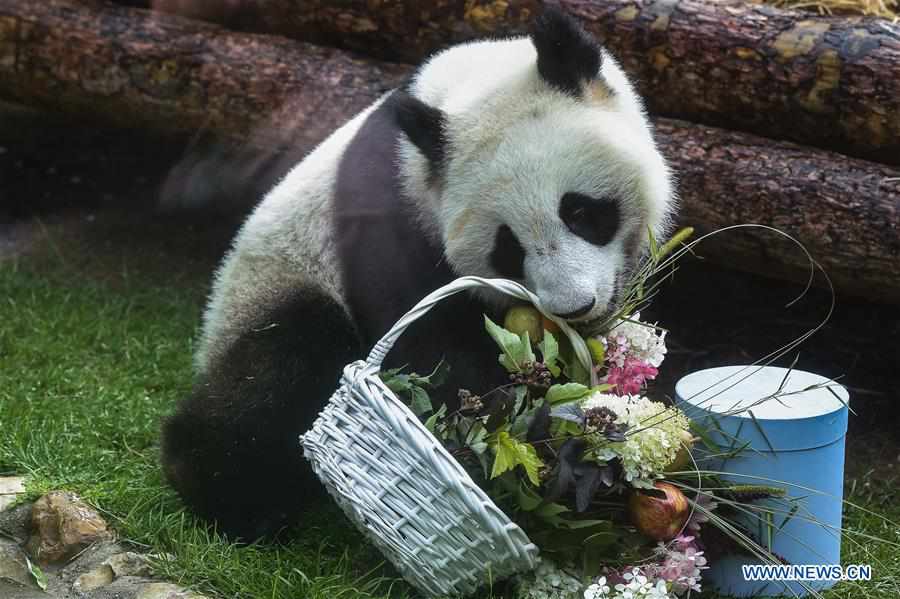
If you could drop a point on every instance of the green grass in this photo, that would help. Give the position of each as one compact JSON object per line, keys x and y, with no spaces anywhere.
{"x":87,"y":370}
{"x":89,"y":365}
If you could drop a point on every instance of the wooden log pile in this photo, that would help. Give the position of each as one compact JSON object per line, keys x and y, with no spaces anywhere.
{"x":730,"y":73}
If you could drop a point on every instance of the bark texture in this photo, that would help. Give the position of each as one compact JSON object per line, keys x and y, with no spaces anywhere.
{"x":831,"y":82}
{"x":846,"y":211}
{"x":146,"y":70}
{"x":169,"y":74}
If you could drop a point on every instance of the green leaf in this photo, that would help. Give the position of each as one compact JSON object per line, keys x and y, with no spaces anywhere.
{"x":437,"y":377}
{"x":565,"y":393}
{"x":476,"y":438}
{"x":550,"y":353}
{"x":37,"y":574}
{"x":398,"y":383}
{"x":432,"y":420}
{"x":527,"y":352}
{"x":509,"y":343}
{"x":551,"y":511}
{"x":578,"y":524}
{"x":476,"y":434}
{"x":511,"y":453}
{"x":421,"y":403}
{"x":572,"y":367}
{"x":516,"y":349}
{"x":528,"y":499}
{"x":390,"y":372}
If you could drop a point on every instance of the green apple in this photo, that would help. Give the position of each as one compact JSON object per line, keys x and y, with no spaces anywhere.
{"x":525,"y":318}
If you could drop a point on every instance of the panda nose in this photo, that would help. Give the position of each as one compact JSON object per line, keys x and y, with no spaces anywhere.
{"x":580,"y":311}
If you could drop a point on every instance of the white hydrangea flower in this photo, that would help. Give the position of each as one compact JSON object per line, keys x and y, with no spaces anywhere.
{"x":659,"y":591}
{"x":638,"y":586}
{"x":636,"y":339}
{"x":652,"y":440}
{"x":548,"y":581}
{"x":598,"y":590}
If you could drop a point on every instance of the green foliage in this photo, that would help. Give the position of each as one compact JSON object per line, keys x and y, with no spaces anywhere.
{"x":90,"y":367}
{"x":37,"y":574}
{"x":516,"y":348}
{"x":550,"y":353}
{"x":567,"y":392}
{"x":510,"y":453}
{"x":414,"y":387}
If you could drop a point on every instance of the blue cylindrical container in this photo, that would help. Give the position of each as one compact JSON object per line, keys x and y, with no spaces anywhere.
{"x":794,"y":440}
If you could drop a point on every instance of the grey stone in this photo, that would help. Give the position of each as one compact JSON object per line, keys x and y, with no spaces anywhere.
{"x":89,"y":559}
{"x":13,"y":590}
{"x":98,"y":577}
{"x":129,"y":563}
{"x":14,"y":521}
{"x":165,"y":590}
{"x":10,"y":488}
{"x":14,"y":564}
{"x":116,"y":566}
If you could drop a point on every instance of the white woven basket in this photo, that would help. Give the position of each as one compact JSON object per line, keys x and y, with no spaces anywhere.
{"x":401,"y":488}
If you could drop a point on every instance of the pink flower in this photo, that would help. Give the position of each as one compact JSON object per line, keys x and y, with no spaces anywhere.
{"x":630,"y":377}
{"x":681,"y":564}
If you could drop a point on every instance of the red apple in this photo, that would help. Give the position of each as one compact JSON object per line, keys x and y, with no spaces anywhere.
{"x":658,"y":518}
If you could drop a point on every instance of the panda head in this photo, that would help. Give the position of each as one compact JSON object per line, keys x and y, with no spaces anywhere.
{"x":533,"y":160}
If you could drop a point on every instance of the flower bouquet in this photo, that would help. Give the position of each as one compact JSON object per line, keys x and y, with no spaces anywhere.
{"x":599,"y":476}
{"x":586,"y":469}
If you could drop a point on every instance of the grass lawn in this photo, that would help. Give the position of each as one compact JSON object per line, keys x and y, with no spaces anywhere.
{"x":89,"y":364}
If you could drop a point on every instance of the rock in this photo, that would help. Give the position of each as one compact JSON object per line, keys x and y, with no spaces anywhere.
{"x":10,"y":488}
{"x":14,"y":564}
{"x":89,"y":559}
{"x":14,"y":522}
{"x":62,"y":525}
{"x":130,"y":564}
{"x":118,"y":565}
{"x":165,"y":590}
{"x":96,"y":578}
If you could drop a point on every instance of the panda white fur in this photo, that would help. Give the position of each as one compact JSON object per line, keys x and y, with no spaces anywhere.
{"x":527,"y":158}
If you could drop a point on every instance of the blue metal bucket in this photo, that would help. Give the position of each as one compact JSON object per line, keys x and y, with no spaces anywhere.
{"x":795,"y":441}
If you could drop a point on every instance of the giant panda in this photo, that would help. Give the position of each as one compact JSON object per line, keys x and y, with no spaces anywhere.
{"x":528,"y":158}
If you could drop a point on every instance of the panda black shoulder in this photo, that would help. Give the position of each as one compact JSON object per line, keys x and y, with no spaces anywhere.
{"x":387,"y":261}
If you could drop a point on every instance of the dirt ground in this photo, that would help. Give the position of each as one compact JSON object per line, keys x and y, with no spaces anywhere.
{"x":176,"y":203}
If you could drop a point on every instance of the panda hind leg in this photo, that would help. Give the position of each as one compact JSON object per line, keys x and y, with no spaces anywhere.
{"x":231,"y":449}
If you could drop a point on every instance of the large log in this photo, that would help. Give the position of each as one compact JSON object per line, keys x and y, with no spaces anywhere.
{"x":129,"y":66}
{"x":831,"y":82}
{"x":93,"y":59}
{"x":845,"y":211}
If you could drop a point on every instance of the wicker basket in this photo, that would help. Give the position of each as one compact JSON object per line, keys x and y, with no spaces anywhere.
{"x":402,"y":489}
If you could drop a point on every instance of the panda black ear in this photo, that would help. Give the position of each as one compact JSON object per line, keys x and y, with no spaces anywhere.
{"x":424,"y":125}
{"x":567,"y":55}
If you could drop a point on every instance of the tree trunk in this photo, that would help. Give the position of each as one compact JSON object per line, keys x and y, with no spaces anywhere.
{"x":132,"y":67}
{"x":830,"y":82}
{"x":846,"y":211}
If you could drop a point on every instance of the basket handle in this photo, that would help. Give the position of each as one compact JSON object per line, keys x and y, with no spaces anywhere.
{"x":378,"y":353}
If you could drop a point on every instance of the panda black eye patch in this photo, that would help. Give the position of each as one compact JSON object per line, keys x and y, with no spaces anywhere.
{"x":595,"y":220}
{"x":508,"y":255}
